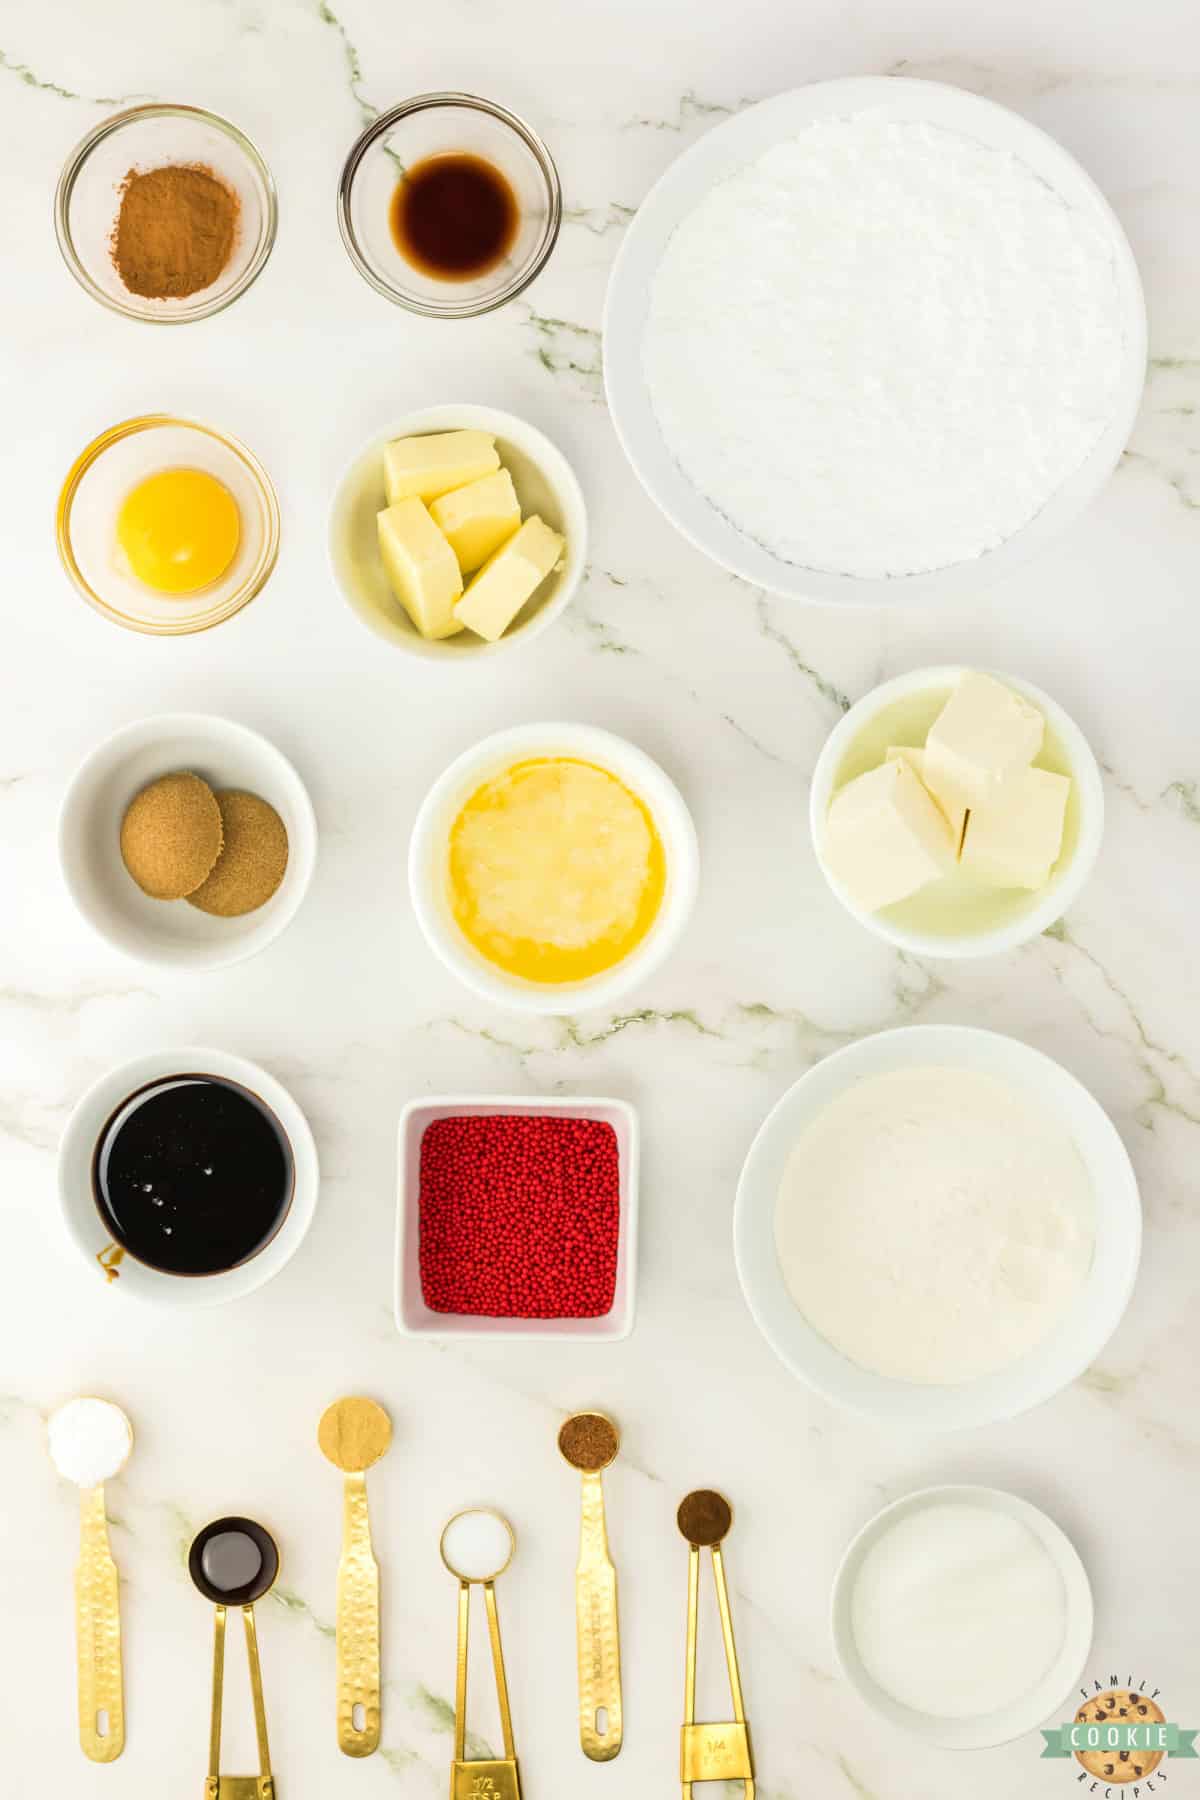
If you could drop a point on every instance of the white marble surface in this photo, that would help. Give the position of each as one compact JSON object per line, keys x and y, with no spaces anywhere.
{"x":734,"y":692}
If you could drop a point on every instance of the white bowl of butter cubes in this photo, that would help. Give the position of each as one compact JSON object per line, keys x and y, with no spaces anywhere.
{"x":459,"y":531}
{"x":957,"y":813}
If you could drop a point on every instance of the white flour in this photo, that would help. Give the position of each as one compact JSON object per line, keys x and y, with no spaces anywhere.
{"x":957,"y":1610}
{"x":883,"y":346}
{"x":934,"y":1224}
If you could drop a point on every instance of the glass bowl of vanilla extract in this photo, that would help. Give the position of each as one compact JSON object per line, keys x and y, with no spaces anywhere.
{"x":449,"y":205}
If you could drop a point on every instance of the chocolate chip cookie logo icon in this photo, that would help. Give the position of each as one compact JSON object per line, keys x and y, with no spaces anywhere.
{"x":1119,"y":1737}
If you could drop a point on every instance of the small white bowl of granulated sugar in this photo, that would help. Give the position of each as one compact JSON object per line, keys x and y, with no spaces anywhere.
{"x":874,"y":340}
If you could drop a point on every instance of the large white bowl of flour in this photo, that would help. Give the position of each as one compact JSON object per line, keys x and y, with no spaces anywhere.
{"x":938,"y":1226}
{"x":874,"y":340}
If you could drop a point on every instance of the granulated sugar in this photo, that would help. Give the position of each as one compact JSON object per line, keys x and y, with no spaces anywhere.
{"x":881,"y":348}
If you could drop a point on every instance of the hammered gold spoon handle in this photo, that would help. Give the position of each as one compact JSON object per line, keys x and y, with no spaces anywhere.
{"x":98,"y":1636}
{"x":357,"y":1627}
{"x":598,"y":1641}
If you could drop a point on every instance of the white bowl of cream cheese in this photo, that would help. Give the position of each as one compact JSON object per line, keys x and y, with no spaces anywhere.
{"x":937,"y":1226}
{"x":953,"y":917}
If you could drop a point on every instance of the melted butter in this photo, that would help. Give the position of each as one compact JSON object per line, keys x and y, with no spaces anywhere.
{"x":556,"y":871}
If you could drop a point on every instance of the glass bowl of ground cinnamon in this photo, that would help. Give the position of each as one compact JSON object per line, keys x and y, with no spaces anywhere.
{"x":165,"y":213}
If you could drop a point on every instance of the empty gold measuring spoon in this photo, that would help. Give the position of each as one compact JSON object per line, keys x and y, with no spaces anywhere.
{"x":234,"y":1562}
{"x":90,"y":1441}
{"x":353,"y":1434}
{"x":711,"y":1752}
{"x":477,"y":1546}
{"x":589,"y":1442}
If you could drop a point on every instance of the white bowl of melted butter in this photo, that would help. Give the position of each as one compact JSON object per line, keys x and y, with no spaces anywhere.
{"x":552,"y":867}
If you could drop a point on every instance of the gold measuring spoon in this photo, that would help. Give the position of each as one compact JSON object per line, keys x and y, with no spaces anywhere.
{"x":589,"y":1442}
{"x":353,"y":1434}
{"x":477,"y":1546}
{"x":234,"y":1562}
{"x":711,"y":1752}
{"x":90,"y":1441}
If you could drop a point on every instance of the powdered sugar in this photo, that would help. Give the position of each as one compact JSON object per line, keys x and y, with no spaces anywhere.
{"x":883,"y":346}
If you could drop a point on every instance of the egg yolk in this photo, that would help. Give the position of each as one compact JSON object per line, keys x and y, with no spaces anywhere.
{"x":179,"y":529}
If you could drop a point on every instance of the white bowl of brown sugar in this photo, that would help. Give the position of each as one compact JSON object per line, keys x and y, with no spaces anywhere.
{"x":143,"y":801}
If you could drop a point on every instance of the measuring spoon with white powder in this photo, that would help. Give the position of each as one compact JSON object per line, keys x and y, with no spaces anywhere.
{"x":90,"y":1441}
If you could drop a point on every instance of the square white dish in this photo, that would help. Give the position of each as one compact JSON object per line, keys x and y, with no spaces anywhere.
{"x":413,"y":1317}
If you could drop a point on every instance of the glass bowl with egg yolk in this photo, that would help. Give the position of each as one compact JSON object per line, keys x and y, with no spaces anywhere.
{"x":555,"y":870}
{"x":167,"y":526}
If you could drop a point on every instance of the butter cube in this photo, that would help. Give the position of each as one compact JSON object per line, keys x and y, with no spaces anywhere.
{"x":983,"y":736}
{"x":956,"y":813}
{"x":885,"y":837}
{"x":478,"y":518}
{"x":496,"y":595}
{"x":1014,"y":842}
{"x":421,"y":567}
{"x":424,"y":467}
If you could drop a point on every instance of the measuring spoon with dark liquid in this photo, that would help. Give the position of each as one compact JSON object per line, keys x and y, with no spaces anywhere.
{"x":234,"y":1562}
{"x":193,"y":1175}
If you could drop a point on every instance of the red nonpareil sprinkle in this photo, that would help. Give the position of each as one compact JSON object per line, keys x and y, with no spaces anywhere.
{"x":519,"y":1216}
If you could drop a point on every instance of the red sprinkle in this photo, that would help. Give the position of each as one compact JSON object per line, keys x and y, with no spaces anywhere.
{"x":519,"y":1217}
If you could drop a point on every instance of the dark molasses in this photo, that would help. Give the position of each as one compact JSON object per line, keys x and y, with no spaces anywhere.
{"x":193,"y":1175}
{"x":454,"y":216}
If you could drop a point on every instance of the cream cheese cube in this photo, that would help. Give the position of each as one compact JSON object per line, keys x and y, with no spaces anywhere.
{"x":885,"y":836}
{"x":496,"y":595}
{"x":421,"y":567}
{"x":478,"y":518}
{"x":983,"y":736}
{"x":1015,"y":841}
{"x":424,"y":467}
{"x":956,"y":813}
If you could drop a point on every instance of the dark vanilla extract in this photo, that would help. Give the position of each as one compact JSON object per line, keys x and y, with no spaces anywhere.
{"x":454,"y":216}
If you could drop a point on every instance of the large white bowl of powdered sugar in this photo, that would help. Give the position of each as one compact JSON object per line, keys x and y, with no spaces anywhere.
{"x":874,"y":340}
{"x":938,"y":1226}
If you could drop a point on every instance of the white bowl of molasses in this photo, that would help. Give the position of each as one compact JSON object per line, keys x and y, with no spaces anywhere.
{"x":187,"y":1177}
{"x":449,"y":205}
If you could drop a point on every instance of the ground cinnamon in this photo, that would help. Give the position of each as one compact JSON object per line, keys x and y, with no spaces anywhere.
{"x":175,"y":231}
{"x":589,"y":1441}
{"x":704,"y":1517}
